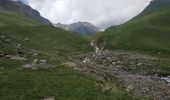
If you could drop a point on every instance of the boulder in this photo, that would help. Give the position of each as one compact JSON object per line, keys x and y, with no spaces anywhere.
{"x":18,"y":58}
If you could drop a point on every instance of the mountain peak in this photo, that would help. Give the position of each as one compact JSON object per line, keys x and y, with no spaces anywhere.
{"x":84,"y":28}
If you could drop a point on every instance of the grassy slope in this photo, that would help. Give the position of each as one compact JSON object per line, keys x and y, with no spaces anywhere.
{"x":54,"y":45}
{"x":13,"y":18}
{"x":150,"y":34}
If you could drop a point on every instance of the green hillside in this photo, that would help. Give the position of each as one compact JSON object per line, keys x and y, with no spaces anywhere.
{"x":150,"y":34}
{"x":7,"y":18}
{"x":23,"y":37}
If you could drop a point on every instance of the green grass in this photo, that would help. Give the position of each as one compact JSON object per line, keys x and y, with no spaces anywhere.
{"x":56,"y":46}
{"x":62,"y":82}
{"x":10,"y":18}
{"x":46,"y":39}
{"x":149,"y":34}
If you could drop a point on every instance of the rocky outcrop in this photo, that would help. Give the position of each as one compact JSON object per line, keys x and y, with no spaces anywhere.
{"x":20,"y":7}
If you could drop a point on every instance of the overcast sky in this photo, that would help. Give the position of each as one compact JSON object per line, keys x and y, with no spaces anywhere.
{"x":102,"y":13}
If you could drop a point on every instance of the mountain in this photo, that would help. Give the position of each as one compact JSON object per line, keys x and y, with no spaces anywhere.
{"x":20,"y":7}
{"x":155,"y":5}
{"x":150,"y":33}
{"x":84,"y":28}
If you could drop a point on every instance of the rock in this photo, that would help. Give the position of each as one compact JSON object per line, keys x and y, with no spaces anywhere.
{"x":70,"y":64}
{"x":35,"y":54}
{"x":17,"y":45}
{"x":139,"y":64}
{"x":18,"y":58}
{"x":159,"y":53}
{"x":8,"y":55}
{"x":49,"y":98}
{"x":26,"y":39}
{"x":86,"y":60}
{"x":41,"y":64}
{"x":100,"y":80}
{"x":35,"y":61}
{"x":2,"y":68}
{"x":43,"y":61}
{"x":107,"y":87}
{"x":129,"y":88}
{"x":2,"y":37}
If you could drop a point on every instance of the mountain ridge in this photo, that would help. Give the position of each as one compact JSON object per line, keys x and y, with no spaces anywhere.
{"x":20,"y":7}
{"x":84,"y":28}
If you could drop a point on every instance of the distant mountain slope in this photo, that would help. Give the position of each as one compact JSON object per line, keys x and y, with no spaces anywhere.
{"x":10,"y":18}
{"x":19,"y":7}
{"x":150,"y":33}
{"x":84,"y":28}
{"x":155,"y":5}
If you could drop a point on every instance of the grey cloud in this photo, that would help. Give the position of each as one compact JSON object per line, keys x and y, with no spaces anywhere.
{"x":102,"y":13}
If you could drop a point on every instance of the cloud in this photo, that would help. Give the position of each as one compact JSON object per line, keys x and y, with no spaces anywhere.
{"x":102,"y":13}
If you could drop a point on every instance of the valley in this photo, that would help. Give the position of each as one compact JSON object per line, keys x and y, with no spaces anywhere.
{"x":39,"y":61}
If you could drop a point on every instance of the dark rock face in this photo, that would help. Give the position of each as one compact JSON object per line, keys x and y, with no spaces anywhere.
{"x":20,"y":7}
{"x":83,"y":28}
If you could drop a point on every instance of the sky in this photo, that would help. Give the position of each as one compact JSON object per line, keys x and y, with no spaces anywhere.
{"x":101,"y":13}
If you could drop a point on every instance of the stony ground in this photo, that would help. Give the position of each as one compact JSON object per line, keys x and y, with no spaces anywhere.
{"x":132,"y":69}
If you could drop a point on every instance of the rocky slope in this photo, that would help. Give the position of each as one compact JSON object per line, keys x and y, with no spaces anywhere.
{"x":132,"y":69}
{"x":83,"y":28}
{"x":19,"y":7}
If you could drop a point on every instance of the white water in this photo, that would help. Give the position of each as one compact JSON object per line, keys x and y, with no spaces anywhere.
{"x":95,"y":47}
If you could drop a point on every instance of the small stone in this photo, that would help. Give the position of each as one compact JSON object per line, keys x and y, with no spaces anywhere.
{"x":26,"y":39}
{"x":107,"y":87}
{"x":159,"y":53}
{"x":35,"y":54}
{"x":18,"y":58}
{"x":2,"y":68}
{"x":43,"y":61}
{"x":2,"y":37}
{"x":139,"y":64}
{"x":8,"y":56}
{"x":35,"y":61}
{"x":70,"y":64}
{"x":100,"y":80}
{"x":129,"y":88}
{"x":49,"y":98}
